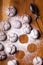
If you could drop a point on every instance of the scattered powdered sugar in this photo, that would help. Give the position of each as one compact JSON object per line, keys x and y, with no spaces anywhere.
{"x":19,"y":32}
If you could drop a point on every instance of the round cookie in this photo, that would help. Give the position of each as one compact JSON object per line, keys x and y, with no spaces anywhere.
{"x":1,"y":47}
{"x":26,"y":19}
{"x":27,"y":28}
{"x":10,"y":49}
{"x":6,"y":25}
{"x":37,"y":61}
{"x":12,"y":62}
{"x":32,"y":48}
{"x":20,"y":54}
{"x":11,"y":11}
{"x":34,"y":34}
{"x":17,"y":24}
{"x":23,"y":39}
{"x":3,"y":55}
{"x":3,"y":36}
{"x":13,"y":37}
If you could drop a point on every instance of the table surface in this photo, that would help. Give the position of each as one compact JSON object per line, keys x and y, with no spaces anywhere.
{"x":23,"y":8}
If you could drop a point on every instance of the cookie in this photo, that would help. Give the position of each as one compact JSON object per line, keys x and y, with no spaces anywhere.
{"x":10,"y":49}
{"x":20,"y":54}
{"x":17,"y":24}
{"x":23,"y":39}
{"x":35,"y":34}
{"x":3,"y":36}
{"x":12,"y":62}
{"x":11,"y":11}
{"x":37,"y":61}
{"x":27,"y":28}
{"x":13,"y":37}
{"x":6,"y":25}
{"x":3,"y":55}
{"x":32,"y":48}
{"x":1,"y":47}
{"x":26,"y":19}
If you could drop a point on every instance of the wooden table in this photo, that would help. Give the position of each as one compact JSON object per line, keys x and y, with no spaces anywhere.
{"x":23,"y":8}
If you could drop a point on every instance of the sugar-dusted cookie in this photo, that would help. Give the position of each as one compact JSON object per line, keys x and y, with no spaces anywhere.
{"x":12,"y":62}
{"x":37,"y":61}
{"x":1,"y":47}
{"x":3,"y":36}
{"x":6,"y":25}
{"x":10,"y":49}
{"x":27,"y":28}
{"x":34,"y":34}
{"x":11,"y":11}
{"x":13,"y":37}
{"x":3,"y":55}
{"x":26,"y":18}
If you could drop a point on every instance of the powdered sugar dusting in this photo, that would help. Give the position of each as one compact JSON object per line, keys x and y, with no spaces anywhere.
{"x":18,"y":32}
